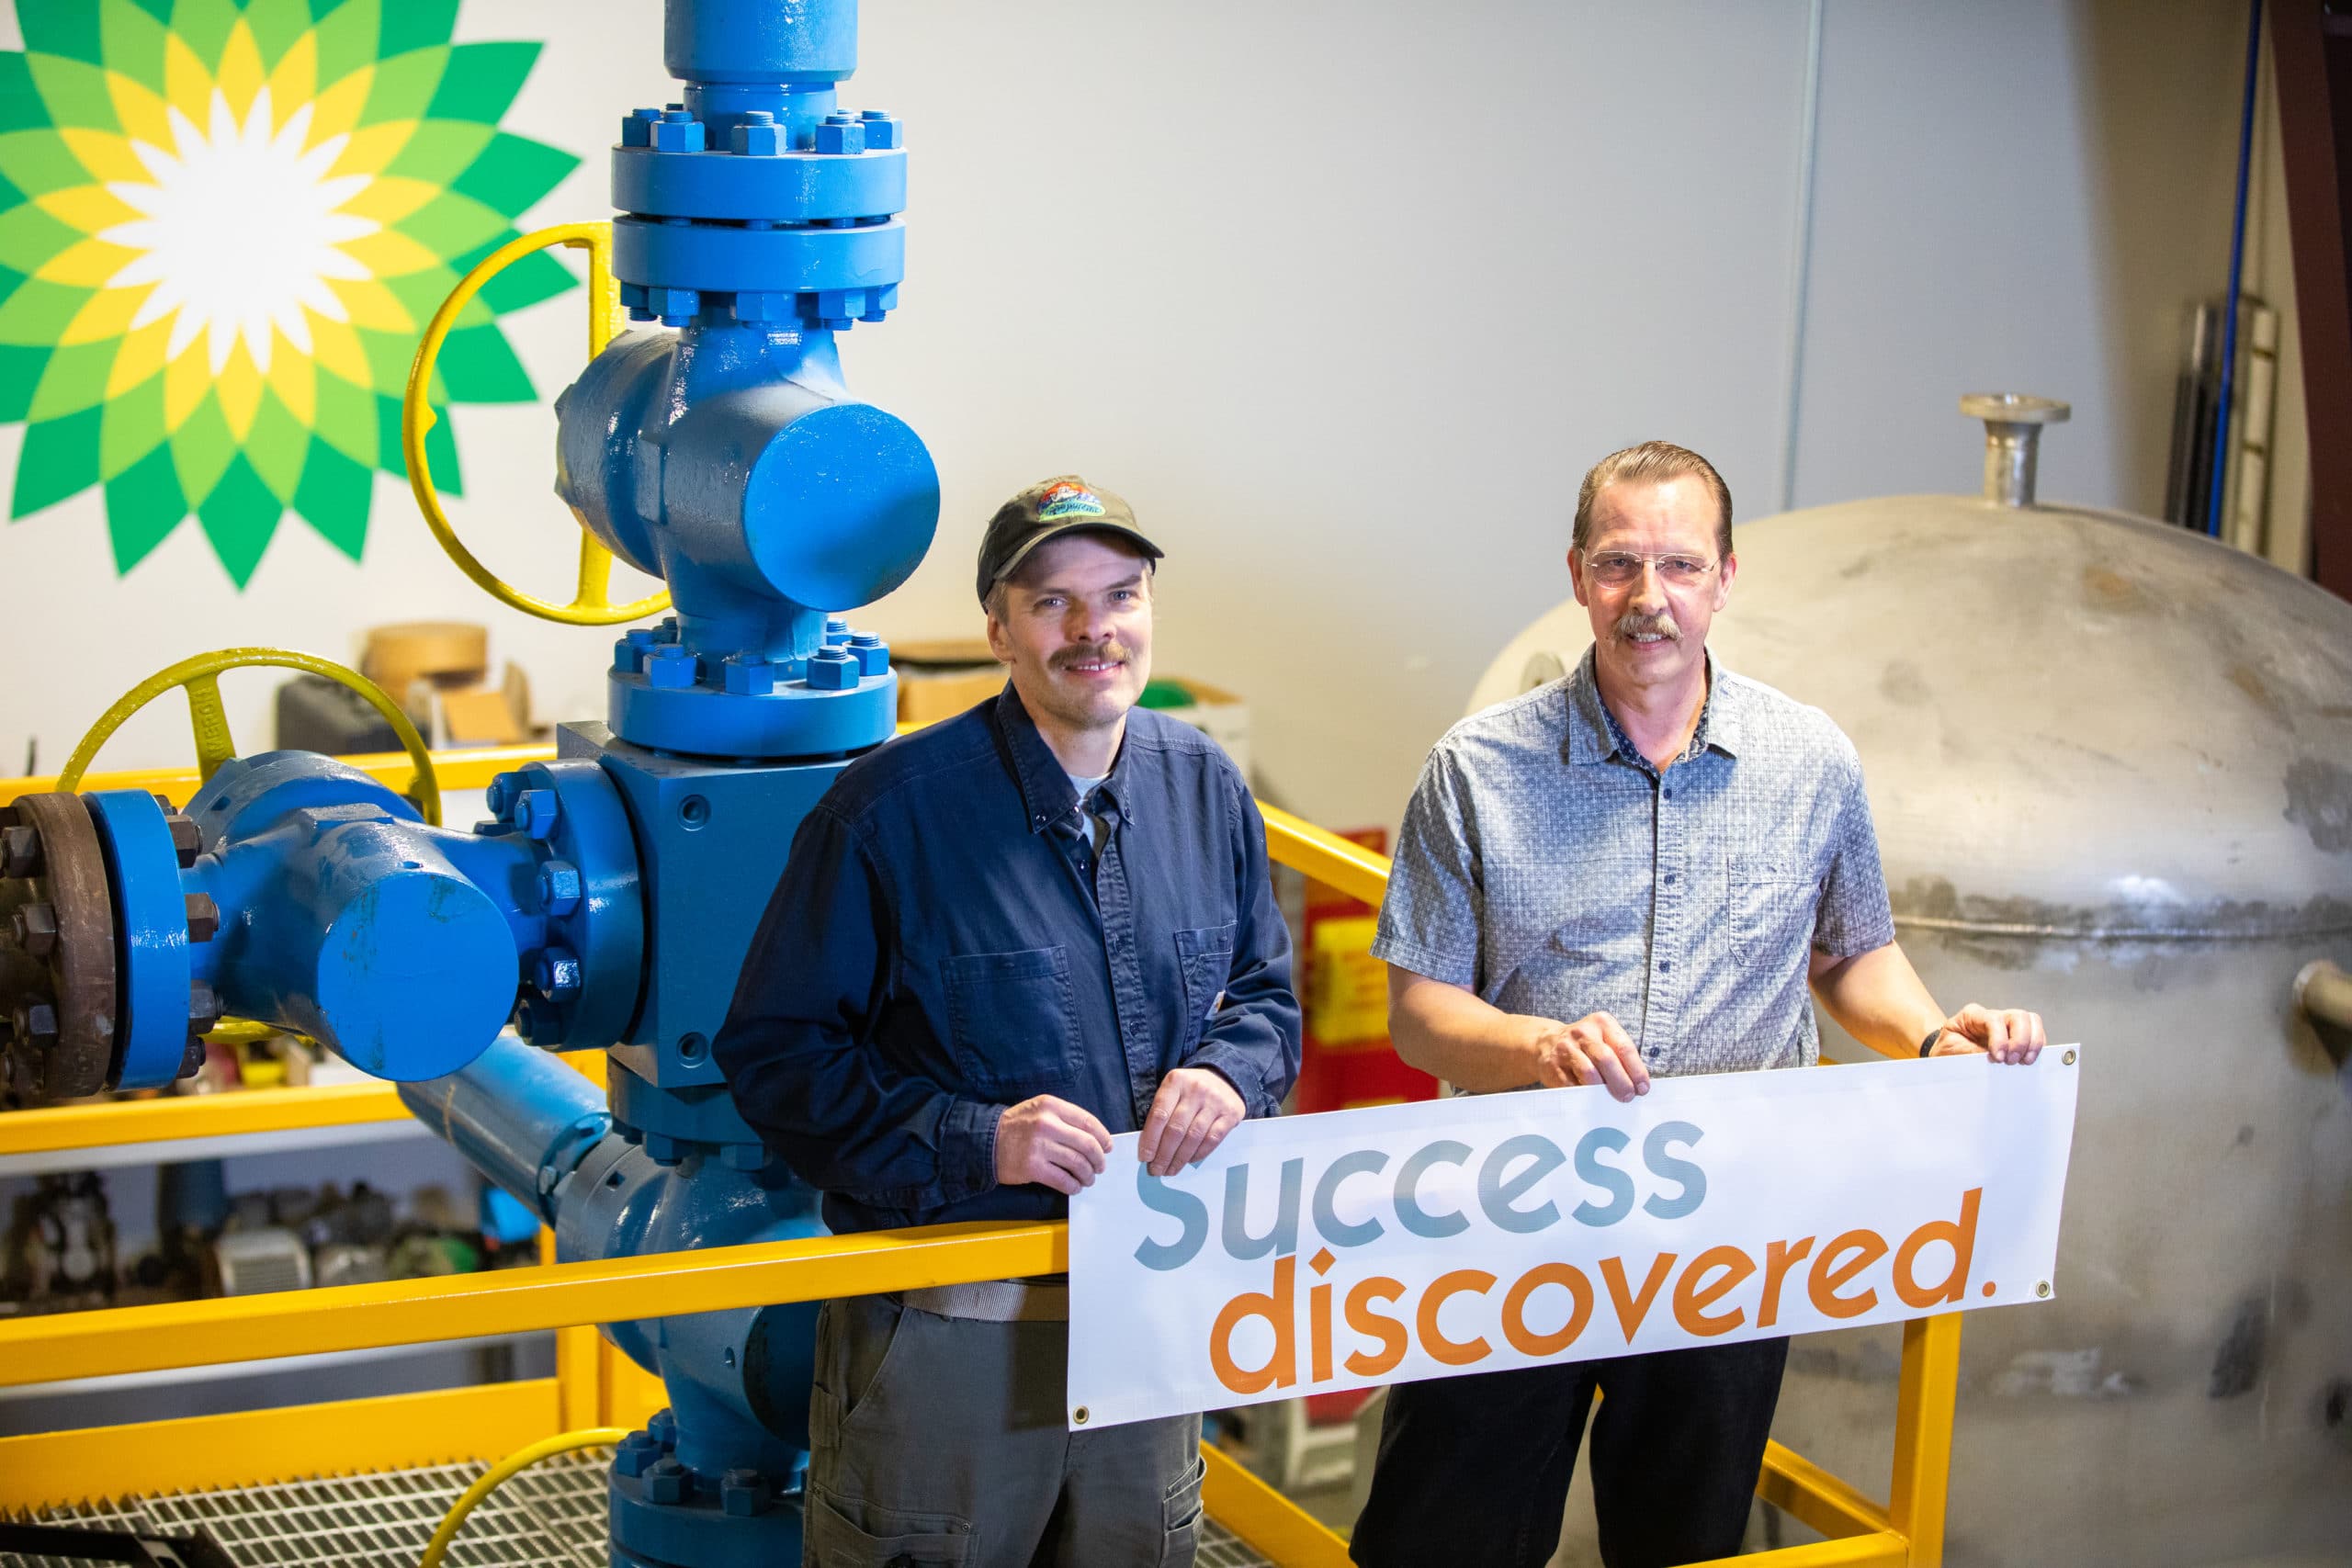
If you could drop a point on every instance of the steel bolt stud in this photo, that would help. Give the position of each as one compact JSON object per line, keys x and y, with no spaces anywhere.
{"x":203,"y":917}
{"x":36,"y":929}
{"x":20,"y":851}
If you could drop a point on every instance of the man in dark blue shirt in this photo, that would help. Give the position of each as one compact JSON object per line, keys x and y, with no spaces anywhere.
{"x":997,"y":942}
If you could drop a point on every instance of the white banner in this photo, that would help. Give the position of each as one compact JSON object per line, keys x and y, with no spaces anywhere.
{"x":1311,"y":1254}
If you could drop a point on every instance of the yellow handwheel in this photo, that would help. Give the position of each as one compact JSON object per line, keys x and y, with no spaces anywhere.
{"x":591,"y":603}
{"x":201,"y":678}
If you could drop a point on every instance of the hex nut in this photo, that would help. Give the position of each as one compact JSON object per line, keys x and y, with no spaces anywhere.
{"x":203,"y":917}
{"x":743,"y":1492}
{"x":667,"y":1481}
{"x":831,"y":670}
{"x":35,"y":1022}
{"x":559,"y":974}
{"x":187,"y":840}
{"x":662,"y":1428}
{"x":758,"y":136}
{"x":20,"y":851}
{"x":635,"y":1454}
{"x":536,"y":811}
{"x":560,"y":887}
{"x":36,"y":929}
{"x":500,"y":795}
{"x":672,"y":668}
{"x":204,"y":1009}
{"x":836,"y":138}
{"x":748,"y":674}
{"x":678,"y":132}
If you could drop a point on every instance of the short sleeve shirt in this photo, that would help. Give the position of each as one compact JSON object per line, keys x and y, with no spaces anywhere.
{"x":1545,"y":864}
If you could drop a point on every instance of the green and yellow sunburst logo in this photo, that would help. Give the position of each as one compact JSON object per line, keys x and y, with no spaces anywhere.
{"x":224,"y":224}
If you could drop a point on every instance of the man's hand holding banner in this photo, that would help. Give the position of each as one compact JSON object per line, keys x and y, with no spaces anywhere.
{"x":1312,"y":1254}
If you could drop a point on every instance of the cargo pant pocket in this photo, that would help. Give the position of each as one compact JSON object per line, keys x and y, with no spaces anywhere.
{"x":848,"y":1532}
{"x":1180,"y":1510}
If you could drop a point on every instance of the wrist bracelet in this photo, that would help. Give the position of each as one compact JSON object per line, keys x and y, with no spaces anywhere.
{"x":1929,"y":1043}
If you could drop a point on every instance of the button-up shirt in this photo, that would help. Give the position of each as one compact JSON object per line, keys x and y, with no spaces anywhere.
{"x":1547,"y":866}
{"x":946,"y":941}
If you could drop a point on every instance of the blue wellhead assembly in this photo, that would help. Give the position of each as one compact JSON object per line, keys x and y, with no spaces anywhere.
{"x":609,"y":901}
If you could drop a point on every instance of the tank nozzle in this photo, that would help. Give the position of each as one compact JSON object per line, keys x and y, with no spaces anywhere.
{"x":2013,"y":422}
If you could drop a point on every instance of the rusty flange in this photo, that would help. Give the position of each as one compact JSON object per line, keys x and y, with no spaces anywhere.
{"x":61,"y":1004}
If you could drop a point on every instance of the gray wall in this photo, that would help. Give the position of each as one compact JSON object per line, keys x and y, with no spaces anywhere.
{"x":1345,"y":297}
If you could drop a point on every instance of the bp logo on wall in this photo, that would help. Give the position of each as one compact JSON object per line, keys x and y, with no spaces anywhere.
{"x":223,"y":225}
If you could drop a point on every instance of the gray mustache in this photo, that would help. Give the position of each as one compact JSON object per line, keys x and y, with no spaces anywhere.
{"x":1633,"y":624}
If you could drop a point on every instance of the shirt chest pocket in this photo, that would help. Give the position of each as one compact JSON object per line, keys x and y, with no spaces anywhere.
{"x":1205,"y":957}
{"x":1013,"y":1018}
{"x":1771,"y":904}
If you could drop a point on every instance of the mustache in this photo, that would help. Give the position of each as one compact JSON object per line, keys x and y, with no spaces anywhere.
{"x":1634,"y":624}
{"x":1091,"y":653}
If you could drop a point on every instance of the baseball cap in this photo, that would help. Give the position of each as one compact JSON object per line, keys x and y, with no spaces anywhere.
{"x":1066,"y":504}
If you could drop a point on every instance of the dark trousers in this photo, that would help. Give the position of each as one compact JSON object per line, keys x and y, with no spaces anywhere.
{"x":1473,"y":1471}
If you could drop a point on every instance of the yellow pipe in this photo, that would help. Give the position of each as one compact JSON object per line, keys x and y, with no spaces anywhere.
{"x":1924,"y":1411}
{"x":98,"y":1124}
{"x":492,"y":1479}
{"x":1324,"y":855}
{"x":1270,"y":1524}
{"x":409,"y":1311}
{"x":1797,"y":1486}
{"x":1884,"y":1549}
{"x":252,"y":1448}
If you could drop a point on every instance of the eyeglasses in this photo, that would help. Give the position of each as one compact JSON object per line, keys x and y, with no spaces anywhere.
{"x":1618,"y":568}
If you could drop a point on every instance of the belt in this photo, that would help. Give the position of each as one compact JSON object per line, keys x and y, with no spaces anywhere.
{"x":993,"y":1301}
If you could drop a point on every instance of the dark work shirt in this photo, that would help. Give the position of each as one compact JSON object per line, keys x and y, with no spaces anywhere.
{"x":946,"y":941}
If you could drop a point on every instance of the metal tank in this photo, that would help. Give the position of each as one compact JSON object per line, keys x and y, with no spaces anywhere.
{"x":2110,"y":764}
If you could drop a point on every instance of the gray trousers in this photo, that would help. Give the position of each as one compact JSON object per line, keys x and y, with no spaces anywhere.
{"x":943,"y":1442}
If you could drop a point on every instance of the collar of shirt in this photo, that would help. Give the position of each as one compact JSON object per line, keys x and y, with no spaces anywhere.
{"x":1046,"y":794}
{"x":1595,"y":736}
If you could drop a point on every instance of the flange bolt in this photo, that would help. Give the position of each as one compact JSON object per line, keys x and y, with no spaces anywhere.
{"x":560,"y":887}
{"x":36,"y":929}
{"x":635,"y":1454}
{"x":559,"y":974}
{"x":667,"y":1481}
{"x":743,"y":1492}
{"x":186,"y":841}
{"x":35,"y":1022}
{"x":204,"y":1009}
{"x":20,"y":851}
{"x":203,"y":917}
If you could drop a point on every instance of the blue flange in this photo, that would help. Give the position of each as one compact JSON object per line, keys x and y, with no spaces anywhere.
{"x":152,"y":937}
{"x":781,"y":187}
{"x":581,"y":983}
{"x":789,"y":260}
{"x":794,"y":720}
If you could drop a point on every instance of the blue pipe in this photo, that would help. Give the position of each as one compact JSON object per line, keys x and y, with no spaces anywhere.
{"x":2214,"y":501}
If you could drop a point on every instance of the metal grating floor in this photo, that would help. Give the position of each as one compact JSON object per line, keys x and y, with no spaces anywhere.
{"x":551,"y":1516}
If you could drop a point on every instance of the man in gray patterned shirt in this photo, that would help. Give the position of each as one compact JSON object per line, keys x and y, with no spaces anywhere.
{"x":1652,"y":867}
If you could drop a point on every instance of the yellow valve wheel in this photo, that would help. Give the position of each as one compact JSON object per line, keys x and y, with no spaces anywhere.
{"x":201,"y":678}
{"x":591,"y":603}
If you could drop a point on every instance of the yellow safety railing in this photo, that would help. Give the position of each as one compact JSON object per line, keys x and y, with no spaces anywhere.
{"x":479,"y":1423}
